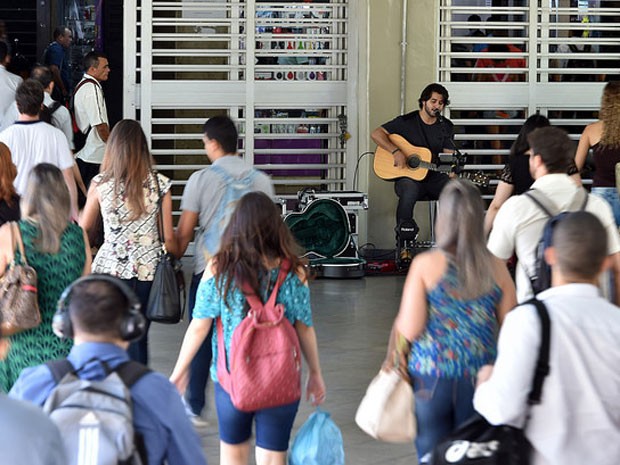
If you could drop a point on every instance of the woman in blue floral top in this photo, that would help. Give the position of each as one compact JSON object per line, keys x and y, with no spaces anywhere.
{"x":453,"y":300}
{"x":126,"y":193}
{"x":254,"y":245}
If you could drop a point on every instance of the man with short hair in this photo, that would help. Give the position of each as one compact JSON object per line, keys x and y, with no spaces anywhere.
{"x":28,"y":436}
{"x":33,"y":141}
{"x":57,"y":59}
{"x":91,"y":115}
{"x":519,"y":223}
{"x":60,"y":116}
{"x":9,"y":82}
{"x":203,"y":195}
{"x":98,"y":308}
{"x":578,"y":418}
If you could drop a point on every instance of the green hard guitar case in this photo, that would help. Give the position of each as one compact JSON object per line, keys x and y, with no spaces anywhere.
{"x":324,"y":231}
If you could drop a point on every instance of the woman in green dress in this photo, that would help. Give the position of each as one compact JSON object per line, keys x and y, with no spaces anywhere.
{"x":58,"y":250}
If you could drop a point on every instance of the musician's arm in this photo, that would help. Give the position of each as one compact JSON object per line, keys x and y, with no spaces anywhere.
{"x":382,"y":138}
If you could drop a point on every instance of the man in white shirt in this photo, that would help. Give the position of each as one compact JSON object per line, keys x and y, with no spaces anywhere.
{"x":519,"y":223}
{"x":91,"y":115}
{"x":578,"y":419}
{"x":33,"y":141}
{"x":9,"y":82}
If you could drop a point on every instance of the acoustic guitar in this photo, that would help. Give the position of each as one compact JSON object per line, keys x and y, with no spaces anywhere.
{"x":418,"y":163}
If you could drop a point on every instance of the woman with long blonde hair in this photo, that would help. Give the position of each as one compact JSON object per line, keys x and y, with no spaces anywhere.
{"x":59,"y":252}
{"x":603,"y":137}
{"x":127,"y":194}
{"x":9,"y":200}
{"x":453,"y":300}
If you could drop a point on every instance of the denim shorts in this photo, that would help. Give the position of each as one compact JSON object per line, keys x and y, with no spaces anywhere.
{"x":273,"y":425}
{"x":610,"y":194}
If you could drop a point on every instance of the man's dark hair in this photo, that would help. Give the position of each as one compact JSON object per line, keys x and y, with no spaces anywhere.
{"x":43,"y":75}
{"x":4,"y":50}
{"x":554,"y":147}
{"x":91,"y":60}
{"x":223,"y":130}
{"x":29,"y":97}
{"x":97,"y":307}
{"x":428,"y":92}
{"x":580,"y":243}
{"x":474,"y":18}
{"x":60,"y":31}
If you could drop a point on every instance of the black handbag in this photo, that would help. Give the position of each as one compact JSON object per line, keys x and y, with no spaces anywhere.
{"x":166,"y":302}
{"x":477,"y":442}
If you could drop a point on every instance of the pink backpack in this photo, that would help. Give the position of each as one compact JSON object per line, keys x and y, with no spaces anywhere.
{"x":265,"y":356}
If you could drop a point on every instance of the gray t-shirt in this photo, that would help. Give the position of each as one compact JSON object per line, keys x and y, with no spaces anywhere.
{"x":205,"y":190}
{"x":28,"y":436}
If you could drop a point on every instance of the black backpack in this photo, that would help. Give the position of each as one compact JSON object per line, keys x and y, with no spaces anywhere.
{"x":47,"y":111}
{"x":541,"y":279}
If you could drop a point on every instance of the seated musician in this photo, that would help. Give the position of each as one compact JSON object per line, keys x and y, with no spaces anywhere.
{"x":423,"y":128}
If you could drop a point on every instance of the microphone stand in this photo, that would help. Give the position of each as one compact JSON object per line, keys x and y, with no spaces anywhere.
{"x":459,"y":158}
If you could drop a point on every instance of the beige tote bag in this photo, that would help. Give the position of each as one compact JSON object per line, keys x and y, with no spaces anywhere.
{"x":387,"y":410}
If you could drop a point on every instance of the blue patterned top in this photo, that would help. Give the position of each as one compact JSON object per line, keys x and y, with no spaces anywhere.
{"x":460,"y":334}
{"x":293,"y":294}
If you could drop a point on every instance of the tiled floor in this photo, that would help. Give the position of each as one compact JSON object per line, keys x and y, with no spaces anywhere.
{"x":352,"y":319}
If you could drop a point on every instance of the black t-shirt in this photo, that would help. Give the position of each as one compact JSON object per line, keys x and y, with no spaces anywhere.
{"x":436,"y":137}
{"x":9,"y":212}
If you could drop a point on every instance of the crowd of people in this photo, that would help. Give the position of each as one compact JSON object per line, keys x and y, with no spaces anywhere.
{"x":468,"y":333}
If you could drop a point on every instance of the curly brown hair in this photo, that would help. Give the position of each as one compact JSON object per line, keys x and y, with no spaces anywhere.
{"x":610,"y":114}
{"x":254,"y":237}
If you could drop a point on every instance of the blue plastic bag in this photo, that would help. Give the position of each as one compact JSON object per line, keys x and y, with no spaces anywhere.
{"x":318,"y":442}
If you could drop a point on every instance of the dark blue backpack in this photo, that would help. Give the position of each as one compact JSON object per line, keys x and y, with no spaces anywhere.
{"x":541,"y":278}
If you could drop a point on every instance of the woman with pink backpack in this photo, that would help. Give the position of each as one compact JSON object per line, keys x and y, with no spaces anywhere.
{"x":255,"y":290}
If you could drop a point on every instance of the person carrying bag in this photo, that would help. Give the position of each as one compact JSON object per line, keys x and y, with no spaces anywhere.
{"x":18,"y":291}
{"x":165,"y":304}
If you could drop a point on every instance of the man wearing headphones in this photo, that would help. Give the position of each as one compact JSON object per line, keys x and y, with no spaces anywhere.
{"x":422,"y":128}
{"x":102,"y":316}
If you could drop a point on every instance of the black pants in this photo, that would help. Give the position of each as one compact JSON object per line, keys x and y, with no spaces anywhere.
{"x":410,"y":191}
{"x":88,"y":171}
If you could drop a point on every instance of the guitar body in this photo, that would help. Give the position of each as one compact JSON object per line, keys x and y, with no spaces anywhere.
{"x":384,"y":161}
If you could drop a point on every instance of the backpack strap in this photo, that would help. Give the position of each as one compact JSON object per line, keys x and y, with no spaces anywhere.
{"x":72,"y":101}
{"x":129,"y":372}
{"x":542,"y":363}
{"x":60,"y":368}
{"x":255,"y":301}
{"x":542,"y":202}
{"x":54,"y":106}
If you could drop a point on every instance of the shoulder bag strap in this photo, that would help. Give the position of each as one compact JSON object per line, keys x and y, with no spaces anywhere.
{"x":160,"y":219}
{"x":17,"y":236}
{"x":542,"y":363}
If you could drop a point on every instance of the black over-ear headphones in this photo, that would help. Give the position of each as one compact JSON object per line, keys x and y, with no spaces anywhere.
{"x":133,"y":324}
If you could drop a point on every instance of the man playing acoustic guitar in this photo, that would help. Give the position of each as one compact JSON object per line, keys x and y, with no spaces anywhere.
{"x":414,"y":168}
